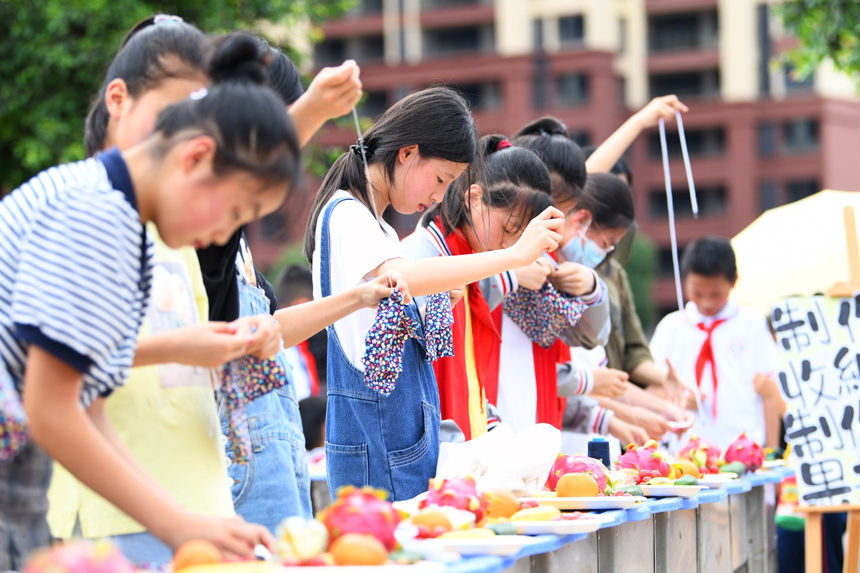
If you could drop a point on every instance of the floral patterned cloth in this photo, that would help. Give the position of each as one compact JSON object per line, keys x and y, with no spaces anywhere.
{"x":543,"y":314}
{"x":13,"y":422}
{"x":243,"y":380}
{"x":383,"y":355}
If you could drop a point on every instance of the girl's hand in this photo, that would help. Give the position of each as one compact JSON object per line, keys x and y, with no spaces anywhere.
{"x":542,"y":235}
{"x":533,"y":276}
{"x":262,"y":334}
{"x":380,"y":288}
{"x":609,"y":382}
{"x":334,"y":91}
{"x":231,"y":535}
{"x":573,"y":278}
{"x":456,"y":295}
{"x":627,"y":433}
{"x":664,"y":106}
{"x":654,"y":424}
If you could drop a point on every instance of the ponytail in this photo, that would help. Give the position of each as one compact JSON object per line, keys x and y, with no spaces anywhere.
{"x":436,"y":119}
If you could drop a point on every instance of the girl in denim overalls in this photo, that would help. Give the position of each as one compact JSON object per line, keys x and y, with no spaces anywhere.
{"x":415,"y":151}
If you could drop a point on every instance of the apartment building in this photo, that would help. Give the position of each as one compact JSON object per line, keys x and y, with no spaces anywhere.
{"x":757,"y":137}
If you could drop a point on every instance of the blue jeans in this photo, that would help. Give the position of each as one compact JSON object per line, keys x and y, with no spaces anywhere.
{"x":274,"y":484}
{"x":144,"y":550}
{"x":389,"y":442}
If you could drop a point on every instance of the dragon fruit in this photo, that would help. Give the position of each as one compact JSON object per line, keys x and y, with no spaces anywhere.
{"x":746,"y":451}
{"x":362,"y":510}
{"x":461,"y":493}
{"x":80,"y":557}
{"x":702,"y":453}
{"x":577,"y":464}
{"x":646,"y":458}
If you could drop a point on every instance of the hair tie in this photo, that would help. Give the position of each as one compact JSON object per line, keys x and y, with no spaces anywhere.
{"x":503,"y":144}
{"x":359,"y":148}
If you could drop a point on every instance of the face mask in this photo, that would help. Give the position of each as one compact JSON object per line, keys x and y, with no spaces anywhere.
{"x":583,"y":250}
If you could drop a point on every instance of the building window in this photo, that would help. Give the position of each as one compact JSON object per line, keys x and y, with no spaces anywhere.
{"x":800,"y":189}
{"x":273,"y":227}
{"x":571,"y":30}
{"x":704,"y":83}
{"x":464,"y":40}
{"x":767,"y":195}
{"x":369,"y":49}
{"x":665,"y":267}
{"x":712,"y":202}
{"x":700,"y":143}
{"x":436,"y":4}
{"x":367,"y":7}
{"x":330,"y":52}
{"x":581,"y":137}
{"x":373,"y":104}
{"x":794,"y":85}
{"x":483,"y":96}
{"x":686,"y":31}
{"x":800,"y":135}
{"x":766,"y":139}
{"x":537,"y":34}
{"x":572,"y":90}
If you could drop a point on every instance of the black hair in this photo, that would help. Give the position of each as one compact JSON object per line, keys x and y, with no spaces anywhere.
{"x":295,"y":281}
{"x":281,"y":73}
{"x":512,"y":178}
{"x":609,"y":201}
{"x":247,"y":120}
{"x":621,"y":166}
{"x":313,"y":410}
{"x":548,"y":137}
{"x":711,"y":257}
{"x":436,"y":119}
{"x":151,"y":53}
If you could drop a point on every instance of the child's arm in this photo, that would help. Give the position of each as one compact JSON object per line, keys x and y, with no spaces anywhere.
{"x":301,"y":321}
{"x":610,"y":151}
{"x":774,"y":407}
{"x":59,"y":425}
{"x":332,"y":93}
{"x":439,"y":274}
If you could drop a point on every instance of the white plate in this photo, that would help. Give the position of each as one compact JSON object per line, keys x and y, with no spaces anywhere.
{"x":585,"y":503}
{"x":671,"y":490}
{"x":559,"y":527}
{"x":501,"y":545}
{"x":716,"y":481}
{"x":268,"y":567}
{"x":767,"y":464}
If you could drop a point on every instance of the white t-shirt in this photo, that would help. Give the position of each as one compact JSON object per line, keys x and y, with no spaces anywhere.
{"x":743,"y":347}
{"x":358,"y":244}
{"x":517,"y":399}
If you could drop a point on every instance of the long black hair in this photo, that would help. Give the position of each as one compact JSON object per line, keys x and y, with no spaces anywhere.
{"x":512,"y":178}
{"x":436,"y":119}
{"x":154,"y":50}
{"x":548,"y":137}
{"x":248,"y":121}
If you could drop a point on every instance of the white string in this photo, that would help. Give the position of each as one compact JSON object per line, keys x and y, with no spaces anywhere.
{"x":685,"y":153}
{"x":671,"y":207}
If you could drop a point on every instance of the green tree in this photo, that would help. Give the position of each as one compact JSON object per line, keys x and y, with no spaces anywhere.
{"x":826,"y":29}
{"x":640,"y":270}
{"x":54,"y":53}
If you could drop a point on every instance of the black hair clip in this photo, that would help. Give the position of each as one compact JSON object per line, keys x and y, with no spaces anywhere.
{"x":359,"y":149}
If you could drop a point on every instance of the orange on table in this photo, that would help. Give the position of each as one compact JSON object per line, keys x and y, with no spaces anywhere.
{"x":196,"y":552}
{"x":358,"y":549}
{"x":502,"y":503}
{"x":577,"y":485}
{"x":688,"y":468}
{"x":432,"y":517}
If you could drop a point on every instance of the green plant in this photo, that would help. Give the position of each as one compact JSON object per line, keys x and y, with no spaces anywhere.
{"x":641,"y":272}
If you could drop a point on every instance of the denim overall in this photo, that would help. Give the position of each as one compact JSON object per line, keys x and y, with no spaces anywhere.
{"x":274,"y":484}
{"x":390,"y":442}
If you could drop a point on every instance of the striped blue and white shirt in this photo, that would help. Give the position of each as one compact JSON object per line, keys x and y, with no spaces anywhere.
{"x":75,"y":269}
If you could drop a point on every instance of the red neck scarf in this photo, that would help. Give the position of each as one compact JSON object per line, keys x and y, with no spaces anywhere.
{"x":451,"y":371}
{"x":706,"y":354}
{"x":311,"y":363}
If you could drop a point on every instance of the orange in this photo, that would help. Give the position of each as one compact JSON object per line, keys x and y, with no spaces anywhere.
{"x":358,"y":549}
{"x":196,"y":552}
{"x":502,"y":503}
{"x":688,"y":468}
{"x":432,"y":518}
{"x":577,"y":485}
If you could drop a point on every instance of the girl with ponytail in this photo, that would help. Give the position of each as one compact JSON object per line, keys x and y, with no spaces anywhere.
{"x":486,"y":212}
{"x":413,"y":153}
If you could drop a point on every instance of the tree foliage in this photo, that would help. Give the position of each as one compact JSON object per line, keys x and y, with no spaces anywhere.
{"x":641,"y":272}
{"x":826,"y":29}
{"x":54,"y":53}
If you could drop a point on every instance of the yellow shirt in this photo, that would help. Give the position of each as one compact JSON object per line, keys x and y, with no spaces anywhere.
{"x":165,"y":414}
